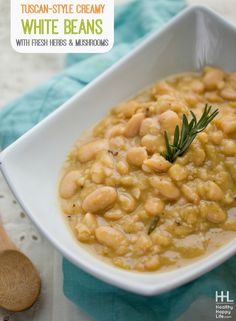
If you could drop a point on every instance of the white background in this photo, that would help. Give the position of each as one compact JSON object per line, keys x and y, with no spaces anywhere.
{"x":17,"y":30}
{"x":19,"y":73}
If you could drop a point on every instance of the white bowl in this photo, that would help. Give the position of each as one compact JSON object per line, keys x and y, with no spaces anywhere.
{"x":31,"y":165}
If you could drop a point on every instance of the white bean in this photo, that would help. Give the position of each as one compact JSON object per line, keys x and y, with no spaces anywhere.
{"x":197,"y":86}
{"x":142,"y":244}
{"x":228,"y":93}
{"x":90,"y":221}
{"x":212,"y":77}
{"x":127,"y":108}
{"x":110,"y":237}
{"x":217,"y":215}
{"x":100,"y":200}
{"x":165,"y":188}
{"x":133,"y":125}
{"x":210,"y":191}
{"x":153,"y":143}
{"x":229,"y":147}
{"x":149,"y":126}
{"x":152,"y":263}
{"x":127,"y":202}
{"x":212,"y":212}
{"x":228,"y":125}
{"x":178,"y":172}
{"x":168,"y":121}
{"x":88,"y":151}
{"x":157,"y":163}
{"x":116,"y":130}
{"x":69,"y":184}
{"x":190,"y":194}
{"x":136,"y":156}
{"x":84,"y":234}
{"x":213,"y":192}
{"x":154,"y":206}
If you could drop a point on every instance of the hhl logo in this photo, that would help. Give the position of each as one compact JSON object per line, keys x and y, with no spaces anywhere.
{"x":223,"y":297}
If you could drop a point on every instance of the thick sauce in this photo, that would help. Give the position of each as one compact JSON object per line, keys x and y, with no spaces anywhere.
{"x":116,"y":183}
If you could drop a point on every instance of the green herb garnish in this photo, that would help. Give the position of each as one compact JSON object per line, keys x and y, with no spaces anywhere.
{"x":153,"y":224}
{"x":184,"y":138}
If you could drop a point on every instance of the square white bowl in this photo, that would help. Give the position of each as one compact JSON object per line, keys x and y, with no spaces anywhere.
{"x":31,"y":165}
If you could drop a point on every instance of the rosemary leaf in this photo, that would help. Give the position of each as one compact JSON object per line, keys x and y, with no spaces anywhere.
{"x":153,"y":224}
{"x":184,"y":137}
{"x":176,"y":136}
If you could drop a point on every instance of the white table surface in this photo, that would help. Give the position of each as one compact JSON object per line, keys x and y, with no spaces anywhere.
{"x":20,"y":73}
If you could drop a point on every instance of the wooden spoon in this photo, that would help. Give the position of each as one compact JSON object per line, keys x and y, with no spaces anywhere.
{"x":19,"y":280}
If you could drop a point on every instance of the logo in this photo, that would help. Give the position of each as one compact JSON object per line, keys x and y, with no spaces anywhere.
{"x":224,"y":305}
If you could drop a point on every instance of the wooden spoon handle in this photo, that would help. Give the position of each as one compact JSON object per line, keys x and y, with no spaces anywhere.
{"x":5,"y":242}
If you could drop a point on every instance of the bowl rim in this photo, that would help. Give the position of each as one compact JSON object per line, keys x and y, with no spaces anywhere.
{"x":145,"y":289}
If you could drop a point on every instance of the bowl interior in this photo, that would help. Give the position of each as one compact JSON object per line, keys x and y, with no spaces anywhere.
{"x":32,"y":164}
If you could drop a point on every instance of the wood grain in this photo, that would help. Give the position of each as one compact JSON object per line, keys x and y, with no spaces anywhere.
{"x":19,"y":281}
{"x":5,"y":242}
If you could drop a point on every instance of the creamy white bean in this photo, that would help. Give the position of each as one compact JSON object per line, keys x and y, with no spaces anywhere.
{"x":113,"y":186}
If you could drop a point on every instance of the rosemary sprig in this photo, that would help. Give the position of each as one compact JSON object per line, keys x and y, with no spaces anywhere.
{"x":153,"y":224}
{"x":183,"y":138}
